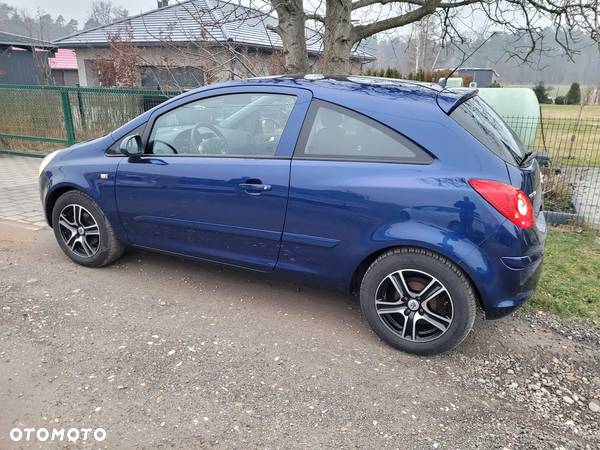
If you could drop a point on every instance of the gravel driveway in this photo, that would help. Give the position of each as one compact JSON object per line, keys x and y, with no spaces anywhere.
{"x":162,"y":352}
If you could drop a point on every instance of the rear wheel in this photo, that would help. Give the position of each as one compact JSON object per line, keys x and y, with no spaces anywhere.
{"x":418,"y":301}
{"x":83,"y":231}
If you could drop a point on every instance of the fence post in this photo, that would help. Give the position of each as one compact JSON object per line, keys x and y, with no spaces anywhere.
{"x":68,"y":116}
{"x":80,"y":107}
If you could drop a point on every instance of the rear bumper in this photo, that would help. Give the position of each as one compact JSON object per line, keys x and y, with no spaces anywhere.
{"x":507,"y":267}
{"x":520,"y":287}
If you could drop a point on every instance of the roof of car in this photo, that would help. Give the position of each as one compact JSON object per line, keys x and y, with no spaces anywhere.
{"x":390,"y":88}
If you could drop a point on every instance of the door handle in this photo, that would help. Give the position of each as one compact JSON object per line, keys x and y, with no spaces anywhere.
{"x":254,"y":186}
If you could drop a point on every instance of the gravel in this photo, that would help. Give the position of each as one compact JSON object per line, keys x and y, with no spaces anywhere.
{"x":163,"y":352}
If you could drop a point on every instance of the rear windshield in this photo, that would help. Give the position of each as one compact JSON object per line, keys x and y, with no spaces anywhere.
{"x":479,"y":119}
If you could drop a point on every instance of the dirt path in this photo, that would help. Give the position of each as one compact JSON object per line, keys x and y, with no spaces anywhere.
{"x":162,"y":352}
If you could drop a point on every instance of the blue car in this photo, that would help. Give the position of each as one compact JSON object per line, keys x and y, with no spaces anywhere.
{"x":420,"y":199}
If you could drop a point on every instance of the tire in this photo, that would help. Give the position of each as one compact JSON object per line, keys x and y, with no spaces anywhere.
{"x":398,"y":289}
{"x":79,"y":214}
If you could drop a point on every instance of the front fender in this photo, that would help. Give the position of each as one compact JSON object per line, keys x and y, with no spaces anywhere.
{"x":93,"y":174}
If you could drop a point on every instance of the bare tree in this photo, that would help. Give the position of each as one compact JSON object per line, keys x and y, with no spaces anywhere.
{"x":103,"y":12}
{"x":526,"y":18}
{"x":294,"y":50}
{"x":201,"y":47}
{"x":121,"y":67}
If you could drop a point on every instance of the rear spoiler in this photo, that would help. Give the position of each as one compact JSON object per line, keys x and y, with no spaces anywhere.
{"x":450,"y":99}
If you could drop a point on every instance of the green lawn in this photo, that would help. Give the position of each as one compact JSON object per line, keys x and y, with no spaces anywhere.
{"x":571,"y":111}
{"x":570,"y":282}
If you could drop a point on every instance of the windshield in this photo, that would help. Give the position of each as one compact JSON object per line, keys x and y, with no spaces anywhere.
{"x":479,"y":119}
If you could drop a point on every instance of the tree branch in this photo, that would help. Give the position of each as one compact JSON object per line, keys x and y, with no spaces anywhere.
{"x":364,"y":31}
{"x":316,"y":17}
{"x":364,"y":3}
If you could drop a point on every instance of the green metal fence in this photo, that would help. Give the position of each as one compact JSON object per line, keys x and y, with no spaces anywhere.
{"x":40,"y":118}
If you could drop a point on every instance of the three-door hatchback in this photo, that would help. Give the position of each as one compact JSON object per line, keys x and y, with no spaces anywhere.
{"x":419,"y":198}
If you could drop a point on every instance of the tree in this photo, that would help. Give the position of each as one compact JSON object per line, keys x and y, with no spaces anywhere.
{"x":573,"y":97}
{"x":345,"y":23}
{"x":103,"y":12}
{"x":39,"y":26}
{"x":292,"y":31}
{"x":541,"y":92}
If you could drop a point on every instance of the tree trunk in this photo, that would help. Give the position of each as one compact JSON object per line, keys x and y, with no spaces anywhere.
{"x":338,"y":37}
{"x":291,"y":29}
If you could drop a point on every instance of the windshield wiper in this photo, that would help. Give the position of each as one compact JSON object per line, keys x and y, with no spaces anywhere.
{"x":527,"y":157}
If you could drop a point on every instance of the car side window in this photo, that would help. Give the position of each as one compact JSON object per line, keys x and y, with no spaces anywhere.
{"x":231,"y":125}
{"x":336,"y":133}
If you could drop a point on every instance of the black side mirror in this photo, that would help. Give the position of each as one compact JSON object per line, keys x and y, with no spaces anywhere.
{"x":131,"y":145}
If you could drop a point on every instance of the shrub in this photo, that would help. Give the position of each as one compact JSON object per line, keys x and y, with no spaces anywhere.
{"x":560,"y":100}
{"x":541,"y":92}
{"x":557,"y":192}
{"x":573,"y":97}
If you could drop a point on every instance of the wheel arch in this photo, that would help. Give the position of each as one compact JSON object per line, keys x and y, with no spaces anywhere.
{"x":52,"y":198}
{"x":364,"y":265}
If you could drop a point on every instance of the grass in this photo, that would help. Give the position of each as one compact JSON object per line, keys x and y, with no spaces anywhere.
{"x":570,"y":282}
{"x":570,"y":111}
{"x":567,"y":141}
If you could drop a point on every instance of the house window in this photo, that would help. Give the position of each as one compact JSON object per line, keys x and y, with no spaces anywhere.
{"x":166,"y":78}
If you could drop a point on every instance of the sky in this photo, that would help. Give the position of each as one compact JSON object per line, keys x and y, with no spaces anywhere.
{"x":77,"y":9}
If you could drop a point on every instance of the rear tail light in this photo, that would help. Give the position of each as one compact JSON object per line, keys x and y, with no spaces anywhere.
{"x":511,"y":202}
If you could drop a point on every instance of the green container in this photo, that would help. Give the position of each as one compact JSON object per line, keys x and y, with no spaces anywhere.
{"x":454,"y":82}
{"x":519,"y":107}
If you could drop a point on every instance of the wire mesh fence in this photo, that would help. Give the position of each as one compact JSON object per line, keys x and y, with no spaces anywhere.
{"x":42,"y":118}
{"x":569,"y":154}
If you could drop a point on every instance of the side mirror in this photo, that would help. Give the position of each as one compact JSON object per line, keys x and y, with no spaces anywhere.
{"x":131,"y":145}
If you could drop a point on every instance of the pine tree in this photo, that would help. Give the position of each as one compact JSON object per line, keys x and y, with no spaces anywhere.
{"x":573,"y":97}
{"x":541,"y":92}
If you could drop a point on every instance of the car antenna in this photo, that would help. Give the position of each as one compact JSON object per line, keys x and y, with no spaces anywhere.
{"x":466,"y":58}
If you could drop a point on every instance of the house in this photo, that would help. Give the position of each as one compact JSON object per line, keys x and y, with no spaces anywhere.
{"x":63,"y":68}
{"x":186,"y":44}
{"x":24,"y":60}
{"x":483,"y":77}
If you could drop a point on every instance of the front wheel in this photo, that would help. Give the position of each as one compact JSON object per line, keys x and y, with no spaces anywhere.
{"x":418,"y":301}
{"x":83,"y":231}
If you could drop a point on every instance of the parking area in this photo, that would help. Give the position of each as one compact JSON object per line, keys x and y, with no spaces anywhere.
{"x":162,"y":352}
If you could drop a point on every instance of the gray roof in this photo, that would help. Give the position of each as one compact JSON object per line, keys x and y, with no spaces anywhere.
{"x":17,"y":40}
{"x":193,"y":21}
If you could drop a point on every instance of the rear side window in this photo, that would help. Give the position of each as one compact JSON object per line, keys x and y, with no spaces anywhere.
{"x":479,"y":119}
{"x":335,"y":133}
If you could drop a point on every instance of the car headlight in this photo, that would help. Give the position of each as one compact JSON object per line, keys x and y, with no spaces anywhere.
{"x":47,"y":160}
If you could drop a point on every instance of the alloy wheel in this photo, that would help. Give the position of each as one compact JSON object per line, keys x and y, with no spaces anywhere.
{"x":79,"y":230}
{"x":414,"y":305}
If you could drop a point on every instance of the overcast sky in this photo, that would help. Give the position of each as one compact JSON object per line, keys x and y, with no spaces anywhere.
{"x":77,"y":9}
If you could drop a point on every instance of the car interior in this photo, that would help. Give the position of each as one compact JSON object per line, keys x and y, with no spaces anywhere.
{"x":227,"y":125}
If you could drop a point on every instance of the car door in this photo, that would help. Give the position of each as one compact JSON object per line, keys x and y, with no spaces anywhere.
{"x":213,"y":180}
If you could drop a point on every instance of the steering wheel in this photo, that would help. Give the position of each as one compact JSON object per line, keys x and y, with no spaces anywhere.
{"x":173,"y":149}
{"x":197,"y":140}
